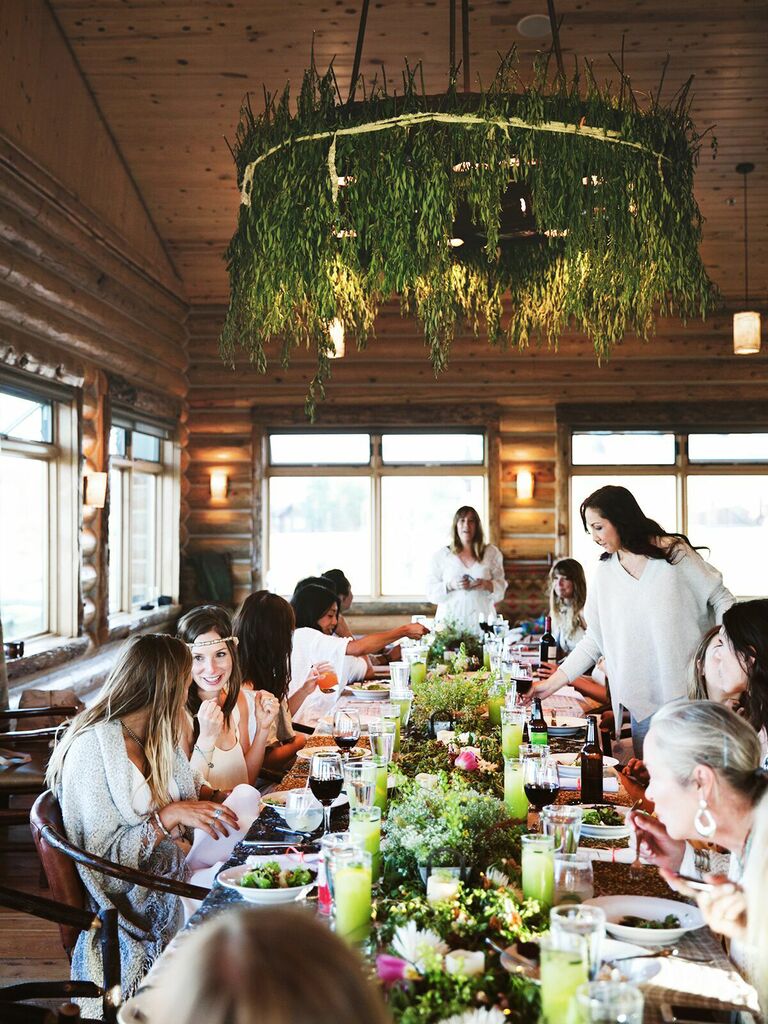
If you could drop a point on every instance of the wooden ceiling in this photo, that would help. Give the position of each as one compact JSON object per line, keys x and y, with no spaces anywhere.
{"x":169,"y":77}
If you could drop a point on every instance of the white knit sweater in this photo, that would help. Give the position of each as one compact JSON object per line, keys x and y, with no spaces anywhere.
{"x":647,"y":629}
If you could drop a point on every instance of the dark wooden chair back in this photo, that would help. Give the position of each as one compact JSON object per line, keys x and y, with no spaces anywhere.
{"x":60,"y":870}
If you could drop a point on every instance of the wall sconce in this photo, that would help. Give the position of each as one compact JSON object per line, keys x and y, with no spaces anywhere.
{"x":219,"y":483}
{"x":524,"y":483}
{"x":95,"y":490}
{"x":336,"y":334}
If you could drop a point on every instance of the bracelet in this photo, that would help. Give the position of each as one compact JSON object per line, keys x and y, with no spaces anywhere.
{"x":204,"y":755}
{"x":157,"y":821}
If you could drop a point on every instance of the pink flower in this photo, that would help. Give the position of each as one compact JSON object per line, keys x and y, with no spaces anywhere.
{"x":392,"y":969}
{"x":467,"y":760}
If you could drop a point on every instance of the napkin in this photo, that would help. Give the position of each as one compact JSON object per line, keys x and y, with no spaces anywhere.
{"x":610,"y":783}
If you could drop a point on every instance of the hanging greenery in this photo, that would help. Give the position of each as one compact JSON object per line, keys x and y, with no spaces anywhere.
{"x":346,"y":205}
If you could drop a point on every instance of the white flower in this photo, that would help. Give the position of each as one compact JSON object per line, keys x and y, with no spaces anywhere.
{"x":497,"y":878}
{"x":426,"y":781}
{"x":424,"y":949}
{"x":482,"y":1016}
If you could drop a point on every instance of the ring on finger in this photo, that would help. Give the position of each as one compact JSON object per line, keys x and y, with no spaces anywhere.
{"x":217,"y":814}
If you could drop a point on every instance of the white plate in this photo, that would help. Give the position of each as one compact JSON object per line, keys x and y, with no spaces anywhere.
{"x":307,"y":753}
{"x":278,"y":800}
{"x":635,"y":971}
{"x":230,"y":878}
{"x":359,"y":694}
{"x":566,"y":725}
{"x":654,"y":909}
{"x":606,"y":831}
{"x":567,"y":769}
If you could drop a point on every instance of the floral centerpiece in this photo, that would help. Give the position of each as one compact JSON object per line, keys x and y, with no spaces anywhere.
{"x":449,"y":637}
{"x":463,"y":697}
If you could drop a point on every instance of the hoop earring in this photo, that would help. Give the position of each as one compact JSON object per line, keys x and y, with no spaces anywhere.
{"x":705,"y":828}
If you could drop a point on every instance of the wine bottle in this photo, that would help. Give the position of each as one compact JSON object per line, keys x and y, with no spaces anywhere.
{"x":547,"y":644}
{"x":537,"y":727}
{"x":592,"y":765}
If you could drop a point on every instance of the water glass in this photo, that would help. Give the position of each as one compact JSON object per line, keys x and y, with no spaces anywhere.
{"x":563,"y":821}
{"x":391,"y":713}
{"x":587,"y":921}
{"x":510,"y":696}
{"x":351,"y":884}
{"x":563,"y":970}
{"x":534,"y":750}
{"x":381,"y":735}
{"x":574,"y":878}
{"x":400,"y":674}
{"x":538,"y":868}
{"x":360,"y":782}
{"x":302,"y":812}
{"x":609,"y":1002}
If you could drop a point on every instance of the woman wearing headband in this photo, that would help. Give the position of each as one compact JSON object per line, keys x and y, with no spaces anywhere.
{"x":227,"y":734}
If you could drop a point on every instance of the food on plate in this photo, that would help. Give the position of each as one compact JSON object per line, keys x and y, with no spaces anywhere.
{"x":373,"y":685}
{"x":670,"y":921}
{"x":602,"y":815}
{"x":271,"y":876}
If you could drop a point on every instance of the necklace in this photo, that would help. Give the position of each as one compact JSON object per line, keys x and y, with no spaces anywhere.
{"x":132,"y":734}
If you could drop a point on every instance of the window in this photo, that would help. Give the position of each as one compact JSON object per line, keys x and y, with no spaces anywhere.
{"x":143,"y":514}
{"x":712,"y":487}
{"x":375,"y":505}
{"x":38,"y":512}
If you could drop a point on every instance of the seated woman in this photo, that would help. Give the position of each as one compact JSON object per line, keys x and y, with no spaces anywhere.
{"x":316,"y":609}
{"x":226,"y":735}
{"x":246,"y":965}
{"x":567,"y":597}
{"x":128,"y":793}
{"x":264,"y":630}
{"x":338,"y":582}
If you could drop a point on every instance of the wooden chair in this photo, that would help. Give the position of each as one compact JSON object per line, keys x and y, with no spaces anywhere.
{"x":27,"y":779}
{"x":12,"y":997}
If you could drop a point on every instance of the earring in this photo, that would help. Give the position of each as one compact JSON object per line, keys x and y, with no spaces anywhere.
{"x":704,"y":823}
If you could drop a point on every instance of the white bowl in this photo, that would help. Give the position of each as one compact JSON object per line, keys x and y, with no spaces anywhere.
{"x":361,"y":694}
{"x":650,"y":907}
{"x":568,"y":770}
{"x":565,"y":725}
{"x":230,"y":878}
{"x":606,"y":831}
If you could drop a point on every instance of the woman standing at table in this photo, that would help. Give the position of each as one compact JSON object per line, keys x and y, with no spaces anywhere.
{"x":651,"y":598}
{"x":466,"y":578}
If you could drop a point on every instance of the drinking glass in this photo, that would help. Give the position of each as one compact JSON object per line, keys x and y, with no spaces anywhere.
{"x":351,"y":884}
{"x":418,"y":669}
{"x":391,"y":713}
{"x":400,"y":674}
{"x":512,"y":725}
{"x":541,"y":783}
{"x":329,"y":842}
{"x":360,"y":782}
{"x":515,"y":799}
{"x":574,"y":878}
{"x":563,"y":970}
{"x":538,"y":868}
{"x":510,"y":695}
{"x":365,"y":823}
{"x":381,"y":735}
{"x":534,"y":750}
{"x":346,"y":730}
{"x":380,"y":796}
{"x":325,"y":781}
{"x":302,"y":811}
{"x":563,"y":821}
{"x":587,"y":921}
{"x":610,"y":1002}
{"x":327,"y":681}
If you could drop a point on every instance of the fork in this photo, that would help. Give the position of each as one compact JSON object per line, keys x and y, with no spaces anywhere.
{"x":663,"y":953}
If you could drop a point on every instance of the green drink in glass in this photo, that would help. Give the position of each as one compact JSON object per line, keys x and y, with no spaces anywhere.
{"x":391,"y":713}
{"x":497,"y":696}
{"x":418,"y":672}
{"x":382,"y":777}
{"x":351,"y":885}
{"x":512,"y":723}
{"x":365,"y":824}
{"x":515,"y":799}
{"x":564,"y":969}
{"x":404,"y":703}
{"x":539,"y":869}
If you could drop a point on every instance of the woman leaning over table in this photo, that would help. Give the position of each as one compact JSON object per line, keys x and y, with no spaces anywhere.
{"x":127,"y":793}
{"x":650,"y":600}
{"x":227,"y":731}
{"x":466,"y":578}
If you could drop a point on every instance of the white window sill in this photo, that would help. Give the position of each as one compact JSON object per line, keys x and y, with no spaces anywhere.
{"x":125,"y":624}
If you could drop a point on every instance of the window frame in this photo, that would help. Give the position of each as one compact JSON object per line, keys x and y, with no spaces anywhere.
{"x":375,"y":470}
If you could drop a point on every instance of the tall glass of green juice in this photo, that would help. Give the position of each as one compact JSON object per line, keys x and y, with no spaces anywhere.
{"x":564,"y":969}
{"x":365,"y":823}
{"x":514,"y":792}
{"x":512,"y":724}
{"x":497,"y":696}
{"x":418,"y":671}
{"x":539,"y":868}
{"x":351,"y":887}
{"x":391,"y":713}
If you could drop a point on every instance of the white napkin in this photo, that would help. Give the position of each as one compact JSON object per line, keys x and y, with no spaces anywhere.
{"x":610,"y":783}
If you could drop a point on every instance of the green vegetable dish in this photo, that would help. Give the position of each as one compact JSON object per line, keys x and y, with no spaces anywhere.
{"x":670,"y":921}
{"x":270,"y":876}
{"x":603,"y":815}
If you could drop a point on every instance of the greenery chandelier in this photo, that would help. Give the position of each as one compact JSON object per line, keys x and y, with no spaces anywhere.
{"x":522,"y":211}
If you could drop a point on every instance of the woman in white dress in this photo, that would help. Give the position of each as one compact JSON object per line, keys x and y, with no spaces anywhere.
{"x":567,"y":597}
{"x":466,"y":578}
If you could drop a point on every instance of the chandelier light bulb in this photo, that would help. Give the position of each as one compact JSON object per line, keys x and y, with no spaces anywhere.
{"x":336,"y":334}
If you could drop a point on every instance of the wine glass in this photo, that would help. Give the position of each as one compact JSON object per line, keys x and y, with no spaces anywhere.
{"x":541,"y":784}
{"x":325,"y":781}
{"x":346,"y":730}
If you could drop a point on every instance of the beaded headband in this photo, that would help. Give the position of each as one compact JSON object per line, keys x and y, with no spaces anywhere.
{"x":212,"y":643}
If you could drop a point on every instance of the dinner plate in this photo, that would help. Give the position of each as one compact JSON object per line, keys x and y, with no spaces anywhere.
{"x":652,"y":908}
{"x":566,"y":725}
{"x":567,"y":769}
{"x":230,"y":879}
{"x":278,"y":799}
{"x":307,"y":753}
{"x":606,"y":831}
{"x":360,"y":694}
{"x":635,"y":971}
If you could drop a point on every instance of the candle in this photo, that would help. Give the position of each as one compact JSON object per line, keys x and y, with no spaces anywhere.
{"x":539,"y":868}
{"x":365,"y":824}
{"x":445,"y":736}
{"x":468,"y":962}
{"x":442,"y":888}
{"x":514,"y":791}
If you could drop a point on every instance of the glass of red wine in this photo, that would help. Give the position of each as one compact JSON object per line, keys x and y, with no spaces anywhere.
{"x":346,"y":730}
{"x":541,"y":784}
{"x":325,"y":780}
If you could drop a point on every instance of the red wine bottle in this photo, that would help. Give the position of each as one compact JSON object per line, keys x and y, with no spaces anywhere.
{"x":592,"y":765}
{"x":547,"y":644}
{"x":537,"y":727}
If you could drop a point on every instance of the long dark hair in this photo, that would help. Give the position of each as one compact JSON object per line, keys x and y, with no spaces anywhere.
{"x":264,"y":627}
{"x":311,"y":603}
{"x":636,"y":531}
{"x":338,"y":581}
{"x":210,"y":618}
{"x":746,"y":624}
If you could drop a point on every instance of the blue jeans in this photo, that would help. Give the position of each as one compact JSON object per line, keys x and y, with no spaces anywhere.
{"x":639,"y":730}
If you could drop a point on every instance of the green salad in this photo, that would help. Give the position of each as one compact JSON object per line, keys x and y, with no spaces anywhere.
{"x":603,"y":815}
{"x":372,"y":685}
{"x":271,"y":876}
{"x":670,"y":921}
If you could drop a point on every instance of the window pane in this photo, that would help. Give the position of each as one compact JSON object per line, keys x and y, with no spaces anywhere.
{"x":116,"y":541}
{"x":320,"y":450}
{"x":25,"y":418}
{"x":143,"y":538}
{"x":416,"y":516}
{"x":432,"y":448}
{"x":627,"y":448}
{"x":144,"y":446}
{"x":23,"y":546}
{"x":319,"y":523}
{"x":730,"y":515}
{"x":117,"y":439}
{"x":656,"y":496}
{"x":728,"y":447}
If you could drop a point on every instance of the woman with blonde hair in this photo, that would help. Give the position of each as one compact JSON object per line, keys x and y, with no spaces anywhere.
{"x":466,"y":578}
{"x":244,"y":967}
{"x":567,"y":597}
{"x":127,"y":793}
